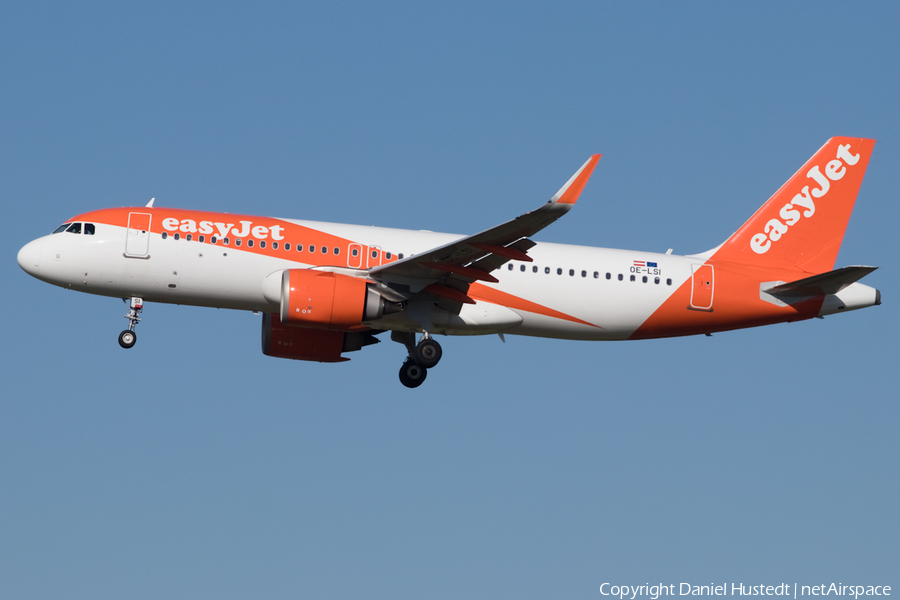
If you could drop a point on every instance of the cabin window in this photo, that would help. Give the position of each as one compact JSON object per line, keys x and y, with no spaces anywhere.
{"x":571,"y":272}
{"x":60,"y":229}
{"x":74,"y":228}
{"x":374,"y":253}
{"x":337,"y":251}
{"x":177,"y":236}
{"x":547,"y":270}
{"x":620,"y":277}
{"x":225,"y":241}
{"x":596,"y":275}
{"x":312,"y":248}
{"x":584,"y":273}
{"x":354,"y":252}
{"x":534,"y":269}
{"x":522,"y":268}
{"x":559,"y":271}
{"x":609,"y":275}
{"x":262,"y":244}
{"x":510,"y":266}
{"x":249,"y":243}
{"x":387,"y":255}
{"x":668,"y":282}
{"x":88,"y":229}
{"x":656,"y":280}
{"x":645,"y":279}
{"x":213,"y":239}
{"x":190,"y":237}
{"x":201,"y":238}
{"x":237,"y":241}
{"x":400,"y":256}
{"x":632,"y":278}
{"x":165,"y":235}
{"x":287,"y":245}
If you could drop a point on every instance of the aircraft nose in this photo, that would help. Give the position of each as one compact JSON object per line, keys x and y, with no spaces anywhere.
{"x":29,"y":257}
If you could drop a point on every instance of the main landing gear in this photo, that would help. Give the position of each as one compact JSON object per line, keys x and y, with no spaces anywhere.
{"x":422,"y":356}
{"x":128,"y":338}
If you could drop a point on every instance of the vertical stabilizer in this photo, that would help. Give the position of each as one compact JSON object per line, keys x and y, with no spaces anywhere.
{"x":801,"y":226}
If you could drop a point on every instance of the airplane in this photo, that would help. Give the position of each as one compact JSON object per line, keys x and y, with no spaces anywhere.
{"x":326,"y":289}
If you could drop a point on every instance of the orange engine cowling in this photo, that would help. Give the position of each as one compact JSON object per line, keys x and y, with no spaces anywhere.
{"x":281,"y":341}
{"x":324,"y":300}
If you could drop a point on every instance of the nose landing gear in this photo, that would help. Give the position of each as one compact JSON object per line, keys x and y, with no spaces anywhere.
{"x":128,"y":338}
{"x":422,"y":356}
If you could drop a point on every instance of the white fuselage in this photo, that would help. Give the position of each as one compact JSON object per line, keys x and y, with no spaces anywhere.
{"x":592,"y":285}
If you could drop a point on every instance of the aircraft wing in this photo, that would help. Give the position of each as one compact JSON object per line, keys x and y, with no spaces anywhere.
{"x":448,"y":270}
{"x":831,"y":282}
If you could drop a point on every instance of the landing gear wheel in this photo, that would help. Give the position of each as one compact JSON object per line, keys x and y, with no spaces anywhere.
{"x":428,"y":353}
{"x":412,"y":374}
{"x":127,"y":338}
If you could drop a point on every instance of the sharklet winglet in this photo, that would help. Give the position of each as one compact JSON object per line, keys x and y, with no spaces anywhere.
{"x":568,"y":194}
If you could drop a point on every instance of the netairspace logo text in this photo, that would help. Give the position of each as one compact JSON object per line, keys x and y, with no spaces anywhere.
{"x":654,"y":592}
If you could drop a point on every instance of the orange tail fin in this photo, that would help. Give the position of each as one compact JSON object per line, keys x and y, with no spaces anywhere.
{"x":801,"y":226}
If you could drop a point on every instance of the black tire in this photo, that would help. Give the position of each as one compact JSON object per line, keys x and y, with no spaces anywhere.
{"x":412,"y":374}
{"x":127,"y":339}
{"x":428,"y":353}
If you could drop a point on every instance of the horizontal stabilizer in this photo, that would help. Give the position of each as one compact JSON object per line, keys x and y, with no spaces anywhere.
{"x":831,"y":282}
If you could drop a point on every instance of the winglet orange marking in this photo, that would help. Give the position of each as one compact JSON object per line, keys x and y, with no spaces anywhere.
{"x":569,"y":193}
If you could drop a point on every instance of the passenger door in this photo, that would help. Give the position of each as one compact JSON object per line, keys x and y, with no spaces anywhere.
{"x":137,"y":237}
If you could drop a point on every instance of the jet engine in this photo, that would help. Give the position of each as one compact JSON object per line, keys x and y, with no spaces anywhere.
{"x":329,"y":301}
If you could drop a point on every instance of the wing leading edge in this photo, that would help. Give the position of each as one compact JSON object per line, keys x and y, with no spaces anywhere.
{"x":447,"y":270}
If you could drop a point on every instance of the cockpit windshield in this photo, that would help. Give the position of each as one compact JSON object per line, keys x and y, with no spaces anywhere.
{"x":75,"y":228}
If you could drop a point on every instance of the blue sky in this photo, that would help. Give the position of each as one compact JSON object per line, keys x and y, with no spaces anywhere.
{"x":192,"y":466}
